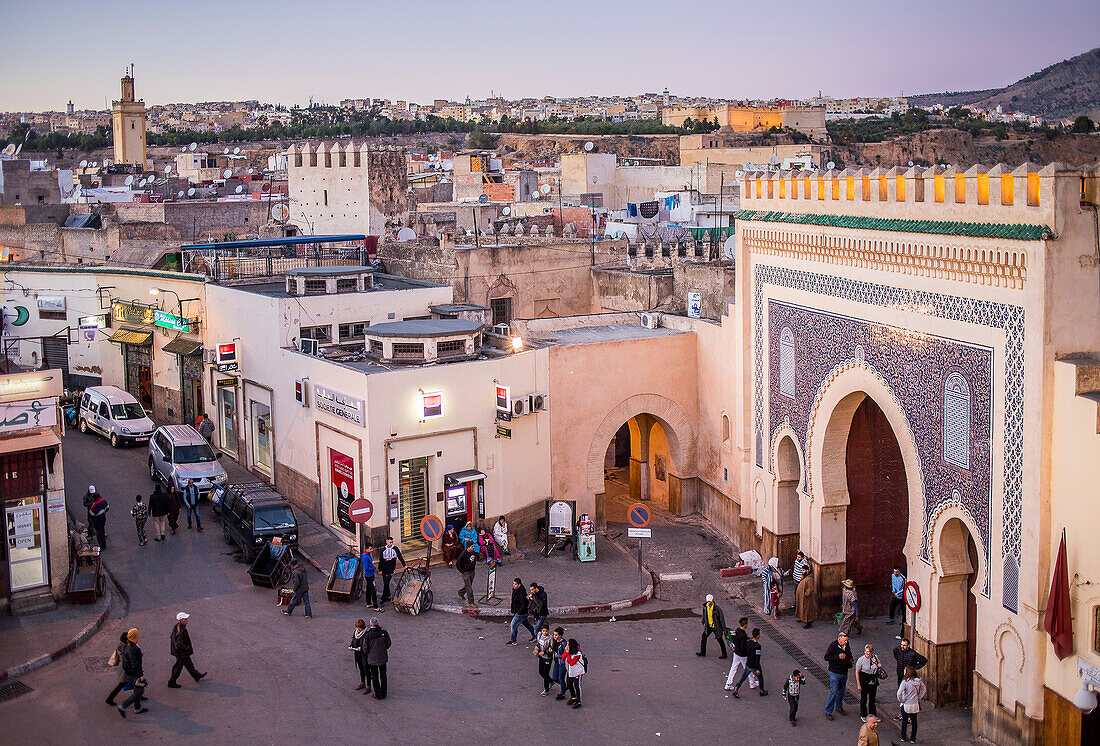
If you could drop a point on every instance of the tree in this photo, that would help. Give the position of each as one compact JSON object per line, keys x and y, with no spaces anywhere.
{"x":1083,"y":125}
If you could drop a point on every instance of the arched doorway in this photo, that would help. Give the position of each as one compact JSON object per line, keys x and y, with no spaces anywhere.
{"x":878,"y":507}
{"x":957,"y":613}
{"x":639,"y":465}
{"x":788,"y":471}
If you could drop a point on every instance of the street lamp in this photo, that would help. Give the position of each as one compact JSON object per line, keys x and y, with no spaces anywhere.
{"x":158,"y":291}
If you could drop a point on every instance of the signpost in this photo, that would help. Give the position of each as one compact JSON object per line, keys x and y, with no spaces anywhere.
{"x":638,"y":516}
{"x":912,"y":601}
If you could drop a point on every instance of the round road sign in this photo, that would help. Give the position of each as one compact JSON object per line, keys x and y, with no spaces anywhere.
{"x":431,"y":527}
{"x":360,"y":510}
{"x":912,"y":596}
{"x":638,"y":515}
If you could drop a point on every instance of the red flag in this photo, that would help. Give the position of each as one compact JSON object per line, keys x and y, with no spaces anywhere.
{"x":1058,"y":622}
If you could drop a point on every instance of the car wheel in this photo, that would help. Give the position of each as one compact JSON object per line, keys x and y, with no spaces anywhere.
{"x":115,"y":442}
{"x":84,"y":426}
{"x":153,"y":470}
{"x":225,"y":533}
{"x":249,"y":555}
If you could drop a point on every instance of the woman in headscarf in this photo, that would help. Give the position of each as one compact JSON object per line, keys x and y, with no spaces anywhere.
{"x":770,"y":573}
{"x":452,"y":546}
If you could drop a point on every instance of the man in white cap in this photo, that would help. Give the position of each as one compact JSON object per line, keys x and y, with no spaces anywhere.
{"x":89,"y":498}
{"x":714,"y":623}
{"x":182,"y":651}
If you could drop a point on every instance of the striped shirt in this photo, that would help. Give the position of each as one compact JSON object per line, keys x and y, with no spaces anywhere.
{"x":800,"y":568}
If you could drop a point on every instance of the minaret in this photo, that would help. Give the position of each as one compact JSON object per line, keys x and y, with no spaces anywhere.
{"x":69,"y":109}
{"x":128,"y":124}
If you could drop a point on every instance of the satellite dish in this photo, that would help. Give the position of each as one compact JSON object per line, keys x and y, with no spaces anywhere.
{"x":239,"y":189}
{"x":406,"y":234}
{"x":506,"y":210}
{"x":750,"y":166}
{"x":106,"y":162}
{"x":280,"y":212}
{"x":141,"y":183}
{"x":179,"y":194}
{"x":225,"y":152}
{"x":167,"y":169}
{"x":483,"y":198}
{"x":227,"y":173}
{"x":129,"y":180}
{"x":236,"y":151}
{"x":774,"y":160}
{"x":10,"y":149}
{"x":448,"y":165}
{"x":83,"y":164}
{"x":830,"y":165}
{"x":191,"y":192}
{"x":729,"y":247}
{"x":95,"y":164}
{"x":739,"y":174}
{"x":910,"y":163}
{"x":251,"y":170}
{"x":183,"y":149}
{"x":265,"y":187}
{"x":192,"y":146}
{"x":589,"y":146}
{"x":544,"y":189}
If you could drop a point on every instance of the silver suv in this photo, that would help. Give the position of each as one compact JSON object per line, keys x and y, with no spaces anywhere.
{"x":178,"y":453}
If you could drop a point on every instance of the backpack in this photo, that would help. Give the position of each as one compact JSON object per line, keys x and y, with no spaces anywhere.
{"x":584,"y":662}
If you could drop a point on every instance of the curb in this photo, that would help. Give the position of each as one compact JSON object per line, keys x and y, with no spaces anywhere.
{"x":556,"y":611}
{"x":82,"y":637}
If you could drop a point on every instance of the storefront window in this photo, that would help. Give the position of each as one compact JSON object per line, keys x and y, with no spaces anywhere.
{"x":261,"y":435}
{"x":227,"y":399}
{"x":26,"y":542}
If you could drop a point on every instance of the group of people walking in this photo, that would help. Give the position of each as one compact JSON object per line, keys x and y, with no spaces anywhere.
{"x":129,"y":660}
{"x":164,"y":507}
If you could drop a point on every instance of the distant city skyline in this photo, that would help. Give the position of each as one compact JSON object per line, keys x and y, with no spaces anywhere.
{"x":284,"y":53}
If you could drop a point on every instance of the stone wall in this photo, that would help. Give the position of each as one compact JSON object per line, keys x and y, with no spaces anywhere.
{"x":621,"y":289}
{"x":713,"y":280}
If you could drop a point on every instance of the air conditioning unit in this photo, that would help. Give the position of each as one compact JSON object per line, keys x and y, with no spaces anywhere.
{"x":309,"y":346}
{"x":540,"y":401}
{"x":209,"y":356}
{"x":651,"y":320}
{"x":521,"y":406}
{"x":504,"y":330}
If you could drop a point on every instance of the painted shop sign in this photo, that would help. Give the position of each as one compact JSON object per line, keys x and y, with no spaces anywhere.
{"x":341,"y":405}
{"x":171,"y":321}
{"x":25,"y":414}
{"x":133,"y":313}
{"x":34,"y":385}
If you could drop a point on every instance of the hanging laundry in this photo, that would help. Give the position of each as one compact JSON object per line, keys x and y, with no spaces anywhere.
{"x":631,"y":210}
{"x":649,"y":209}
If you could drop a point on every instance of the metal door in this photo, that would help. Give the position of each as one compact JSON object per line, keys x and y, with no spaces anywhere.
{"x":413,"y":476}
{"x":55,"y":354}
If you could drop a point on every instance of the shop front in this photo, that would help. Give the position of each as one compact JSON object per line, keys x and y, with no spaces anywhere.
{"x":225,"y":395}
{"x":189,"y":361}
{"x":261,"y":443}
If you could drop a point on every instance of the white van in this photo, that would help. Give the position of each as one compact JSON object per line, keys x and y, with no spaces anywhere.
{"x":115,"y":414}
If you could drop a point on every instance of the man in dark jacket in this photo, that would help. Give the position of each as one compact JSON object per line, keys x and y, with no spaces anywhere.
{"x":299,"y":583}
{"x":377,"y":646}
{"x":135,"y":675}
{"x":175,"y":505}
{"x":839,"y":657}
{"x":181,"y":650}
{"x":714,"y":623}
{"x":519,"y":608}
{"x":387,"y":565}
{"x":740,"y":651}
{"x":905,"y":655}
{"x":191,"y":503}
{"x":539,"y":607}
{"x":89,"y":498}
{"x":158,"y":508}
{"x":467,"y":564}
{"x":98,"y":515}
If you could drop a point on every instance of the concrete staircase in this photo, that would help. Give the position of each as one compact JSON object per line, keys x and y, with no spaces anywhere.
{"x":31,"y":602}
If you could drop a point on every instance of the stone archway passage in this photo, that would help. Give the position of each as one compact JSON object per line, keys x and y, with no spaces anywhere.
{"x":878,"y":511}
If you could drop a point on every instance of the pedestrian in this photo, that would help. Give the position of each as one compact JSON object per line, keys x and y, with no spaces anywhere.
{"x":206,"y":427}
{"x":544,"y":644}
{"x":98,"y":513}
{"x":839,"y":657}
{"x":905,"y":656}
{"x":801,"y":567}
{"x":791,"y":690}
{"x":452,"y":545}
{"x":89,"y":498}
{"x":191,"y":503}
{"x":557,"y":663}
{"x":868,"y":734}
{"x":500,"y":534}
{"x":387,"y":564}
{"x":897,"y":597}
{"x":867,"y":681}
{"x":752,"y":665}
{"x":135,"y":675}
{"x":369,"y":570}
{"x":910,"y":693}
{"x":377,"y":645}
{"x":175,"y":505}
{"x":358,"y":646}
{"x":771,"y":573}
{"x":777,"y":596}
{"x":575,"y":668}
{"x":805,"y":599}
{"x":116,"y":661}
{"x":538,"y":606}
{"x":299,"y":583}
{"x":467,"y":565}
{"x":849,"y":608}
{"x":519,"y":608}
{"x":714,"y":623}
{"x":467,"y":534}
{"x":158,"y":509}
{"x":488,"y":547}
{"x":182,"y":650}
{"x":740,"y":652}
{"x":140,"y":512}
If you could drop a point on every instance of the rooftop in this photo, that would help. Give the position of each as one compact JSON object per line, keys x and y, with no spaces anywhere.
{"x":583,"y":335}
{"x":339,"y":269}
{"x":277,"y":288}
{"x":424,"y":328}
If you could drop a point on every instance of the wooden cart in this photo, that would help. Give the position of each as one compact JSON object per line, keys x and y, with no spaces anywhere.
{"x":414,"y":593}
{"x":86,"y":580}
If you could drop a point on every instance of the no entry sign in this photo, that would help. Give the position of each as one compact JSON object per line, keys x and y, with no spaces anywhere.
{"x":912,"y":596}
{"x":638,"y":515}
{"x":360,"y":510}
{"x":431,"y":527}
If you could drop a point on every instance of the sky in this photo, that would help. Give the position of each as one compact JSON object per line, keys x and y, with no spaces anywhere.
{"x":419,"y":50}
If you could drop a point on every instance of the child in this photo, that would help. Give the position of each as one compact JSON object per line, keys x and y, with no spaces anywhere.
{"x":790,"y":693}
{"x":140,"y":512}
{"x":777,"y":594}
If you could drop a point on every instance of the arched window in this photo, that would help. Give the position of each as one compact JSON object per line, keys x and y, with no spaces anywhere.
{"x":786,"y":362}
{"x":956,"y":421}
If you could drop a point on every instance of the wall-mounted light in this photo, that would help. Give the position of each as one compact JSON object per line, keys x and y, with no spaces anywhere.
{"x":517,"y":344}
{"x":1085,"y":699}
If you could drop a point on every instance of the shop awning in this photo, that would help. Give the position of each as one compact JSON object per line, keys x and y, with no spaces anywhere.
{"x":131,"y":336}
{"x":185,"y":347}
{"x":35,"y":442}
{"x":462,"y":477}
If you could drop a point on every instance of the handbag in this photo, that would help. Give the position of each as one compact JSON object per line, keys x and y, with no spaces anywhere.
{"x":114,"y":660}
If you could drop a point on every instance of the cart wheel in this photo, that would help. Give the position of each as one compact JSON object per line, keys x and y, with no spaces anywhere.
{"x":281,"y":576}
{"x":426,"y":599}
{"x":100,"y":585}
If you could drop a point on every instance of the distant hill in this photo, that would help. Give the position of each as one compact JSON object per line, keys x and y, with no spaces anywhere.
{"x":1062,"y":91}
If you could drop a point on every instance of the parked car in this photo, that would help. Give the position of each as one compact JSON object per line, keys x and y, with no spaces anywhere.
{"x":254,"y":513}
{"x":178,"y":453}
{"x":114,"y":414}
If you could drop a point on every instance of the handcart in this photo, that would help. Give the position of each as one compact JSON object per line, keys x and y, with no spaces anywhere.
{"x":86,"y":580}
{"x":272,"y":566}
{"x":414,"y":593}
{"x":345,"y":581}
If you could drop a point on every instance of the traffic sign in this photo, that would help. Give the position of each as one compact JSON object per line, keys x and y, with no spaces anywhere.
{"x":431,"y":527}
{"x":360,"y":510}
{"x":638,"y":515}
{"x":912,"y":596}
{"x":639,"y":533}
